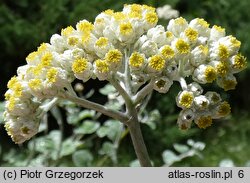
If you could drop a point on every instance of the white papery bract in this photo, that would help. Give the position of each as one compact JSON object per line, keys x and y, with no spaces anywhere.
{"x":128,"y":46}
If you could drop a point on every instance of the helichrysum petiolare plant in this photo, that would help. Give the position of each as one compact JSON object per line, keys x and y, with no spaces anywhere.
{"x":136,"y":56}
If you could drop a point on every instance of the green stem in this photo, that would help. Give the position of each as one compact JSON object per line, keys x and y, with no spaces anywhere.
{"x":138,"y":142}
{"x":97,"y":107}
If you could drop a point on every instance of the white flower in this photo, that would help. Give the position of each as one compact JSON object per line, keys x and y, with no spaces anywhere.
{"x":82,"y":69}
{"x":21,"y":128}
{"x":201,"y":102}
{"x":204,"y":74}
{"x":157,"y":35}
{"x":216,"y":33}
{"x":221,"y":110}
{"x":195,"y":88}
{"x":58,"y":42}
{"x":231,"y":43}
{"x":125,"y":32}
{"x":185,"y":99}
{"x":101,"y":22}
{"x":199,"y":55}
{"x":166,"y":12}
{"x":213,"y":97}
{"x":149,"y":48}
{"x":237,"y":63}
{"x":228,"y":82}
{"x":102,"y":46}
{"x":201,"y":26}
{"x":219,"y":51}
{"x":101,"y":69}
{"x":176,"y":26}
{"x":185,"y":119}
{"x":162,"y":84}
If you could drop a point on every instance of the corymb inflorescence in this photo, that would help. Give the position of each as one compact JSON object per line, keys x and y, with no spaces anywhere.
{"x":136,"y":55}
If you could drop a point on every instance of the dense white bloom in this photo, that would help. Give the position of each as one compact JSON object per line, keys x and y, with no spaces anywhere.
{"x":130,"y":47}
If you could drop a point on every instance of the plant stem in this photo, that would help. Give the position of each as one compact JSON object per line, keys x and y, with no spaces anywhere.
{"x":138,"y":142}
{"x":97,"y":107}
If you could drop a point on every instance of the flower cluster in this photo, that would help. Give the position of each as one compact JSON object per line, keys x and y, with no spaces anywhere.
{"x":129,"y":47}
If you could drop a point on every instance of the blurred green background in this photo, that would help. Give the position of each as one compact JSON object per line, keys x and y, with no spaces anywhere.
{"x":24,"y":24}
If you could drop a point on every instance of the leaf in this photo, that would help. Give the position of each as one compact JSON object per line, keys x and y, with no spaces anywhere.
{"x":102,"y":131}
{"x":86,"y":114}
{"x":169,"y":157}
{"x":135,"y":163}
{"x":87,"y":127}
{"x":2,"y":108}
{"x":56,"y":113}
{"x":76,"y":117}
{"x":82,"y":158}
{"x":69,"y":146}
{"x":111,"y":128}
{"x":109,"y":150}
{"x":107,"y":89}
{"x":180,"y":148}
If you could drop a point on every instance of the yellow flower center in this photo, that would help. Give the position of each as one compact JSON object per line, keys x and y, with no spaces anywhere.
{"x":210,"y":74}
{"x":102,"y":42}
{"x":169,"y":34}
{"x":182,"y":46}
{"x":102,"y":66}
{"x":67,"y":31}
{"x":180,"y":21}
{"x":236,"y":43}
{"x":222,"y":69}
{"x":12,"y":82}
{"x":156,"y":62}
{"x":113,"y":56}
{"x":72,"y":41}
{"x":136,"y":60}
{"x":42,"y":48}
{"x":191,"y":34}
{"x":51,"y":75}
{"x":126,"y":28}
{"x":11,"y":104}
{"x":85,"y":26}
{"x":86,"y":37}
{"x":151,"y":17}
{"x":223,"y":52}
{"x":167,"y":52}
{"x":186,"y":99}
{"x":46,"y":59}
{"x":79,"y":65}
{"x":224,"y":109}
{"x":229,"y":84}
{"x":239,"y":62}
{"x":31,"y":57}
{"x":219,"y":28}
{"x":204,"y":121}
{"x":109,"y":12}
{"x":203,"y":23}
{"x":204,"y":49}
{"x":35,"y":84}
{"x":119,"y":16}
{"x":18,"y":90}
